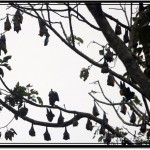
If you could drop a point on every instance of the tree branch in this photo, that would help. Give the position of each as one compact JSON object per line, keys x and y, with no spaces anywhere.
{"x":121,"y":50}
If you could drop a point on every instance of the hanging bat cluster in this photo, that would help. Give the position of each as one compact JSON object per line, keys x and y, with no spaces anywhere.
{"x":60,"y":119}
{"x":66,"y":135}
{"x":43,"y":31}
{"x":95,"y":110}
{"x":7,"y":24}
{"x":32,"y":131}
{"x":17,"y":20}
{"x":124,"y":91}
{"x":109,"y":55}
{"x":118,"y":29}
{"x":47,"y":135}
{"x":89,"y":125}
{"x":104,"y":68}
{"x":110,"y":80}
{"x":53,"y":97}
{"x":50,"y":115}
{"x":3,"y":44}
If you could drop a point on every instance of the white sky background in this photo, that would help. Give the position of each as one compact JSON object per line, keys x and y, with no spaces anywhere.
{"x":58,"y":67}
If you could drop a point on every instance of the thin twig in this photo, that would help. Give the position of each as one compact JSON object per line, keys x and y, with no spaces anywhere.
{"x":7,"y":123}
{"x":125,"y":13}
{"x":70,"y":25}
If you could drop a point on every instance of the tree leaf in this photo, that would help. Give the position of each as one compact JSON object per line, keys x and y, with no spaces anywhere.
{"x":34,"y":92}
{"x":29,"y":85}
{"x":40,"y":100}
{"x":84,"y":74}
{"x":79,"y":39}
{"x":5,"y":59}
{"x":100,"y":138}
{"x":7,"y":66}
{"x":13,"y":131}
{"x":101,"y":52}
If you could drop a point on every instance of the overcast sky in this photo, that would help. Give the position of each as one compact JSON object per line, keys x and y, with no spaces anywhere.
{"x":57,"y":67}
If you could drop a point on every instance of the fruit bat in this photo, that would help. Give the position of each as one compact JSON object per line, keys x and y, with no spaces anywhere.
{"x":32,"y":131}
{"x":95,"y":110}
{"x":50,"y":115}
{"x":117,"y":29}
{"x":133,"y":118}
{"x":53,"y":97}
{"x":143,"y":127}
{"x":47,"y":135}
{"x":123,"y":108}
{"x":60,"y":119}
{"x":23,"y":111}
{"x":66,"y":135}
{"x":104,"y":68}
{"x":110,"y":80}
{"x":7,"y":25}
{"x":126,"y":37}
{"x":89,"y":125}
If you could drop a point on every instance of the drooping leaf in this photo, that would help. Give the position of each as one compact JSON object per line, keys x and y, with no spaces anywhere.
{"x":66,"y":135}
